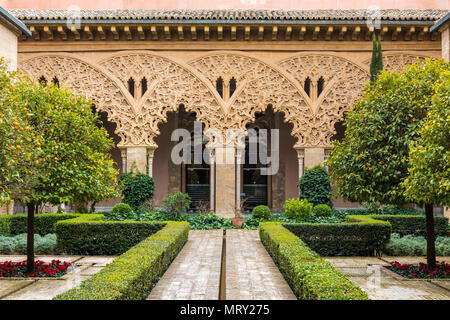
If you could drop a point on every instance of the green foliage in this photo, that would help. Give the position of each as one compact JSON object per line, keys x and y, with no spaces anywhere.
{"x":412,"y":224}
{"x":309,"y":276}
{"x":90,"y":235}
{"x":376,"y":62}
{"x":297,"y":209}
{"x":315,"y":186}
{"x":371,"y":162}
{"x":18,"y":244}
{"x":132,"y":275}
{"x":43,"y":223}
{"x":137,"y":190}
{"x":119,"y":212}
{"x":411,"y":245}
{"x":261,"y":212}
{"x":322,"y":210}
{"x":360,"y":236}
{"x":429,"y":156}
{"x":196,"y":221}
{"x":177,"y":203}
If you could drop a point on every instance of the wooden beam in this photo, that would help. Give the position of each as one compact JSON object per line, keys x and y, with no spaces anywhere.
{"x":247,"y":33}
{"x":356,"y":32}
{"x":48,"y":33}
{"x":180,"y":33}
{"x":88,"y":32}
{"x":115,"y":33}
{"x":141,"y":32}
{"x":316,"y":32}
{"x":219,"y":33}
{"x":154,"y":32}
{"x":274,"y":33}
{"x":193,"y":33}
{"x":342,"y":33}
{"x":206,"y":32}
{"x":35,"y":33}
{"x":329,"y":32}
{"x":301,"y":35}
{"x":369,"y":33}
{"x":62,"y":32}
{"x":260,"y":33}
{"x":434,"y":36}
{"x":101,"y":33}
{"x":287,"y":35}
{"x":127,"y":32}
{"x":395,"y":33}
{"x":383,"y":31}
{"x":409,"y":32}
{"x":233,"y":33}
{"x":421,"y":33}
{"x":167,"y":35}
{"x":76,"y":34}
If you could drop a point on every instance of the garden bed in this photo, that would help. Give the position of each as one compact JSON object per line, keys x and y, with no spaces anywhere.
{"x":54,"y":269}
{"x":420,"y":271}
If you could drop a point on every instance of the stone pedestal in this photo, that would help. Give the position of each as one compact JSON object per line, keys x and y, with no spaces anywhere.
{"x":137,"y":156}
{"x":225,"y":182}
{"x":314,"y":157}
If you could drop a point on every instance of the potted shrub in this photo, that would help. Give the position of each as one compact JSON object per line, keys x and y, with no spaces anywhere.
{"x":238,"y":219}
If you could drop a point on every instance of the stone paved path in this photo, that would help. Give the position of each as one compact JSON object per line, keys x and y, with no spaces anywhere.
{"x":251,"y":273}
{"x":195,"y":272}
{"x":370,"y":274}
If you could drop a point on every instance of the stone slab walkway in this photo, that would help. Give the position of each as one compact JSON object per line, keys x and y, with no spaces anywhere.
{"x":195,"y":272}
{"x":251,"y":273}
{"x":45,"y":288}
{"x":370,"y":274}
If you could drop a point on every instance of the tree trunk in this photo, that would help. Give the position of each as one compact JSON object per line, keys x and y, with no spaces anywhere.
{"x":30,"y":237}
{"x":431,"y":249}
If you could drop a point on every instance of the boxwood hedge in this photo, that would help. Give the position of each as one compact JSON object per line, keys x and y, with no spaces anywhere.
{"x":89,"y":234}
{"x":43,"y":223}
{"x":309,"y":276}
{"x":133,"y":274}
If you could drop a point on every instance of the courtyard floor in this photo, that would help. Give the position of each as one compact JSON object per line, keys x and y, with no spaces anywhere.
{"x":199,"y":272}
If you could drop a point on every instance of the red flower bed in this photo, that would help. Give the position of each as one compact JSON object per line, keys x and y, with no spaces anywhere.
{"x":56,"y":268}
{"x":421,"y":271}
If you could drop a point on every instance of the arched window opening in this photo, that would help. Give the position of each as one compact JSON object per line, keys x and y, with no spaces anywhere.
{"x":232,"y":86}
{"x":320,"y":85}
{"x":55,"y":81}
{"x":131,"y":86}
{"x":43,"y":81}
{"x":143,"y":86}
{"x":219,"y":86}
{"x":307,"y":86}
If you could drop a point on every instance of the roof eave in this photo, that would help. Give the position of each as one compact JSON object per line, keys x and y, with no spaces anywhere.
{"x":441,"y":22}
{"x":13,"y":23}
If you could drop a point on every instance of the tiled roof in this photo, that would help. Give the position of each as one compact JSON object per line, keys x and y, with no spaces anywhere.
{"x":12,"y":22}
{"x":228,"y":14}
{"x":442,"y":21}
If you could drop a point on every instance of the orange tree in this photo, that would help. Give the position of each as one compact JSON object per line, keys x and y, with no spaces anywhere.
{"x":73,"y":163}
{"x":371,"y":162}
{"x":428,"y":182}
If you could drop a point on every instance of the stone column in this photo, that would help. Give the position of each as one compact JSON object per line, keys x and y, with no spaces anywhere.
{"x":226,"y":181}
{"x":314,"y":157}
{"x":212,"y":182}
{"x":150,"y":154}
{"x":301,"y":161}
{"x":123,"y":154}
{"x":137,"y":156}
{"x":239,"y":155}
{"x":445,"y":38}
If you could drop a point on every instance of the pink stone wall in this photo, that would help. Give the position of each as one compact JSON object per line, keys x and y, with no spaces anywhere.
{"x":225,"y":4}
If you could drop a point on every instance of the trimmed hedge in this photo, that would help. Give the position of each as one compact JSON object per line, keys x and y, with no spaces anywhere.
{"x":132,"y":275}
{"x":43,"y":223}
{"x":411,"y":224}
{"x":309,"y":276}
{"x":360,"y":235}
{"x":89,"y":234}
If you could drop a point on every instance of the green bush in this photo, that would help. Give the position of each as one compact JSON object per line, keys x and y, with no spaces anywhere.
{"x":364,"y":236}
{"x":119,"y":212}
{"x":315,"y":186}
{"x":18,"y":244}
{"x":412,"y":224}
{"x":309,"y":276}
{"x":90,"y":235}
{"x":137,"y":189}
{"x":261,"y":212}
{"x":43,"y":223}
{"x":132,"y":275}
{"x":411,"y":245}
{"x":322,"y":210}
{"x":177,"y":203}
{"x":297,"y":209}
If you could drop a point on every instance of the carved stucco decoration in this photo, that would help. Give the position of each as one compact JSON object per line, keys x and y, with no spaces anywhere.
{"x":397,"y":61}
{"x":170,"y":85}
{"x":88,"y":81}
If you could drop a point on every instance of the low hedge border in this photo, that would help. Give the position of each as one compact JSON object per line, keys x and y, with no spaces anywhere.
{"x":89,"y":234}
{"x":133,"y":274}
{"x":309,"y":276}
{"x":360,"y":235}
{"x":409,"y":224}
{"x":15,"y":224}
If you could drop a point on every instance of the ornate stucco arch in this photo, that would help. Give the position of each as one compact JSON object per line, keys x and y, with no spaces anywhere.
{"x":395,"y":61}
{"x":88,"y":80}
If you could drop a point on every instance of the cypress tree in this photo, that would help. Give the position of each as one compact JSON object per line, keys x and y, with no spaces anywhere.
{"x":376,"y":63}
